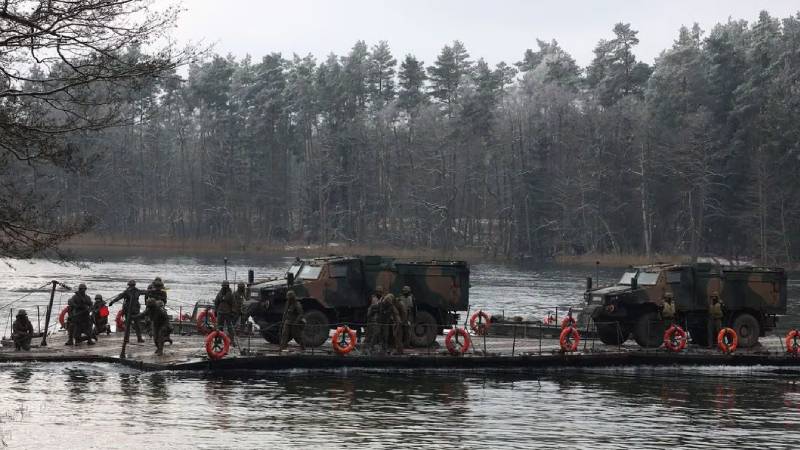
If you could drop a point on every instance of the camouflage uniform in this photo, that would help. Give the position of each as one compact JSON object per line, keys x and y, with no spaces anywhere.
{"x":227,"y":311}
{"x":407,"y":313}
{"x":293,"y":322}
{"x":159,"y":321}
{"x":79,"y":309}
{"x":157,"y":291}
{"x":100,"y":323}
{"x":390,"y":325}
{"x":715,"y":315}
{"x":668,"y":310}
{"x":131,"y":297}
{"x":22,"y":331}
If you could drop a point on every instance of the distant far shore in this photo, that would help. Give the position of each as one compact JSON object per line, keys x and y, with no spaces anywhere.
{"x":116,"y":245}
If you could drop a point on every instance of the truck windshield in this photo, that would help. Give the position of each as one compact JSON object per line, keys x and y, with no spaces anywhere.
{"x":626,"y":278}
{"x":295,"y":269}
{"x":310,"y":272}
{"x":647,"y":278}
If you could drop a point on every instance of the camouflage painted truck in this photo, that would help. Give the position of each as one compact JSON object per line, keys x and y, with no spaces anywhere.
{"x":336,"y":290}
{"x":752,"y":297}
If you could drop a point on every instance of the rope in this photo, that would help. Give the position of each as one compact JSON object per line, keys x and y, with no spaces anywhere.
{"x":26,"y":295}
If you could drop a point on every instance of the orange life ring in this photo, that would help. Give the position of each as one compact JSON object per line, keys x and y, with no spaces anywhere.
{"x":479,"y":323}
{"x":675,"y":338}
{"x":567,"y":322}
{"x":725,"y":346}
{"x":451,"y":345}
{"x":206,"y":321}
{"x":569,"y":339}
{"x":217,"y":344}
{"x":62,"y":316}
{"x":792,"y":344}
{"x":120,"y":320}
{"x":344,"y":335}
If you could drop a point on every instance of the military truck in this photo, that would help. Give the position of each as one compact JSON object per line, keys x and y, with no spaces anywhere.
{"x":752,"y":298}
{"x":337,"y":289}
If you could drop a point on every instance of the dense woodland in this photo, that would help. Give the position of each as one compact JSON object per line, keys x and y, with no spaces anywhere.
{"x":698,"y":154}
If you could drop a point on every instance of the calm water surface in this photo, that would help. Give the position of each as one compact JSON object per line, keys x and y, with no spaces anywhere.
{"x":104,"y":406}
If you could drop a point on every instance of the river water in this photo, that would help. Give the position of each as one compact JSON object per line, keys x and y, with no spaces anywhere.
{"x":80,"y":405}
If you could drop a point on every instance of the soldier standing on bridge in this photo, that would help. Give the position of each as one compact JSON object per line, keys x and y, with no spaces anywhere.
{"x":407,"y":313}
{"x":715,"y":315}
{"x":159,"y":320}
{"x":293,"y":322}
{"x":668,"y":310}
{"x":389,"y":320}
{"x":157,"y":290}
{"x":80,"y":306}
{"x":22,"y":331}
{"x":131,"y":297}
{"x":99,"y":318}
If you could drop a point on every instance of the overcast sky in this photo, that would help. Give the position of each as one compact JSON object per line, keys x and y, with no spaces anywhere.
{"x":497,"y":30}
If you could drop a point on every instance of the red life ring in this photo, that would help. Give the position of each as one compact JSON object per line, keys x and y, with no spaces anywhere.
{"x":62,"y":316}
{"x":217,"y":344}
{"x":120,"y":320}
{"x":344,"y":335}
{"x":567,"y":322}
{"x":722,"y":343}
{"x":792,"y":344}
{"x":479,"y":323}
{"x":103,"y":311}
{"x":675,"y":338}
{"x":569,"y":339}
{"x":451,"y":343}
{"x":204,"y":326}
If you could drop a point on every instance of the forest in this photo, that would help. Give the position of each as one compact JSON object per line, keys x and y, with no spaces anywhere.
{"x":697,"y":154}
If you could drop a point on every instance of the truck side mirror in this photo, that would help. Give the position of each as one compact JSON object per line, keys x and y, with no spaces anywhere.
{"x":588,"y":283}
{"x":290,"y":278}
{"x":634,"y":283}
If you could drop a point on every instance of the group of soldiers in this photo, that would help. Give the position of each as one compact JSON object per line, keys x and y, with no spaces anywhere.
{"x":389,"y":319}
{"x":715,"y":315}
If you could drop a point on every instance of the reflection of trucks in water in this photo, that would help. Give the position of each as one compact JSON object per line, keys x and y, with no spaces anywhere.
{"x":752,"y":298}
{"x":336,"y":290}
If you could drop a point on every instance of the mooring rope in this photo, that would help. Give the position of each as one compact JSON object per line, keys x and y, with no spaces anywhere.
{"x":26,"y":295}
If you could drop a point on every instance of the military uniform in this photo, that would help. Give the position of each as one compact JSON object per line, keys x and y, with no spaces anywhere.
{"x":228,"y":311}
{"x":99,"y":322}
{"x":407,"y":301}
{"x":668,"y":311}
{"x":159,"y":321}
{"x":293,"y":323}
{"x":22,"y":331}
{"x":157,"y":291}
{"x":131,"y":304}
{"x":389,"y":321}
{"x":715,"y":315}
{"x":79,"y":316}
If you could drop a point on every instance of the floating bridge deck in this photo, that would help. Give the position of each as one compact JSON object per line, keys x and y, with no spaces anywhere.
{"x":492,"y":353}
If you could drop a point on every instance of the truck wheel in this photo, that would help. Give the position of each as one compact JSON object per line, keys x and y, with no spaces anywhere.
{"x":317,"y":328}
{"x":747,"y":328}
{"x":611,"y":334}
{"x":649,"y":330}
{"x":424,"y":331}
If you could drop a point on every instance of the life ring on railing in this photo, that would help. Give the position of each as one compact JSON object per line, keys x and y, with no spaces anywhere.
{"x":793,"y":342}
{"x":454,"y":346}
{"x":120,"y":320}
{"x":479,"y":323}
{"x":724,"y":335}
{"x":344,"y":340}
{"x":62,"y":316}
{"x":568,"y":322}
{"x":549,"y":320}
{"x":217,"y":344}
{"x":206,"y":321}
{"x":675,"y":338}
{"x":569,"y":339}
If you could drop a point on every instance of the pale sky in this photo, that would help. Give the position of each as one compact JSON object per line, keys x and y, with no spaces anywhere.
{"x":496,"y":30}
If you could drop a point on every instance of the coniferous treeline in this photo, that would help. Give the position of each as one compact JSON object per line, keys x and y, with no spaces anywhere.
{"x":698,"y":154}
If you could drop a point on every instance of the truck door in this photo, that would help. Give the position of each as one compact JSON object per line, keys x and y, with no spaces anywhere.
{"x":344,"y":286}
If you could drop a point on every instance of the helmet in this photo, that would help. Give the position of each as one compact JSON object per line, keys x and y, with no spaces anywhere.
{"x":379,"y":289}
{"x":132,"y":283}
{"x":241,"y":285}
{"x":98,"y":297}
{"x":389,"y":298}
{"x":22,"y":312}
{"x":406,"y":290}
{"x":157,"y":280}
{"x":81,"y":287}
{"x":225,"y":283}
{"x":290,"y":295}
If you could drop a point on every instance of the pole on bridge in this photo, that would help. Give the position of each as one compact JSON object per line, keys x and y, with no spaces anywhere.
{"x":47,"y":314}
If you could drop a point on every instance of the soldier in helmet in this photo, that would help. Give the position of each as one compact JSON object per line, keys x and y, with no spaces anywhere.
{"x":225,"y":307}
{"x":389,"y":321}
{"x":100,"y":317}
{"x":377,"y":296}
{"x":715,"y":315}
{"x":157,"y":290}
{"x":22,"y":331}
{"x":130,"y":297}
{"x":80,"y":306}
{"x":293,"y":323}
{"x":407,"y":313}
{"x":668,"y":309}
{"x":159,"y":321}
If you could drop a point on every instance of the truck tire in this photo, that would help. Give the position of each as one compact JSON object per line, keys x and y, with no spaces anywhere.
{"x":747,"y":328}
{"x":648,"y":331}
{"x":611,"y":334}
{"x":317,"y":329}
{"x":424,"y":331}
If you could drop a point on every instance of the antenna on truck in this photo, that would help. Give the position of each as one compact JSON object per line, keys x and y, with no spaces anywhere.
{"x":226,"y":268}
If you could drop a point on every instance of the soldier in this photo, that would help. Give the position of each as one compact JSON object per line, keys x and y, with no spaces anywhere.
{"x":100,"y":319}
{"x":377,"y":296}
{"x":159,"y":321}
{"x":668,"y":310}
{"x":293,"y":322}
{"x":407,"y":313}
{"x":80,"y":306}
{"x":22,"y":331}
{"x":389,"y":321}
{"x":714,"y":319}
{"x":157,"y":290}
{"x":131,"y":297}
{"x":227,"y":310}
{"x":240,"y":297}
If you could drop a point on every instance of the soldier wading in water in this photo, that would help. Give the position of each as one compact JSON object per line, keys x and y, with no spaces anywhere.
{"x":293,"y":322}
